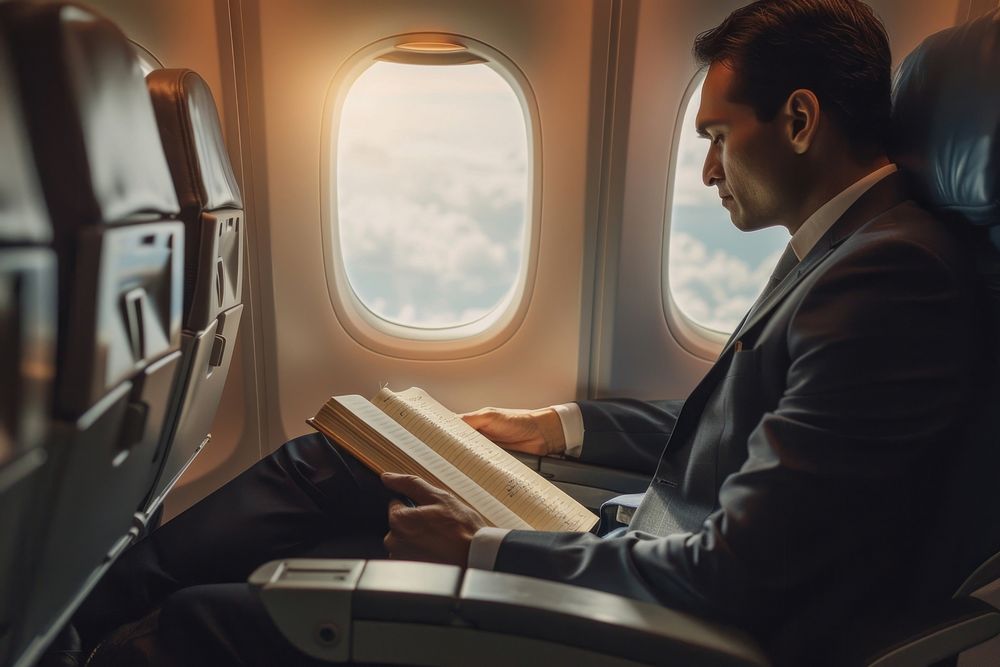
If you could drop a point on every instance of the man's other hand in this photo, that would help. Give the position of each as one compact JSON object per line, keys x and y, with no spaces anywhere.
{"x":537,"y":432}
{"x":439,"y":529}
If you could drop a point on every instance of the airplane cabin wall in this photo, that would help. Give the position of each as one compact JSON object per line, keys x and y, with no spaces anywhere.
{"x":294,"y":52}
{"x":609,"y":77}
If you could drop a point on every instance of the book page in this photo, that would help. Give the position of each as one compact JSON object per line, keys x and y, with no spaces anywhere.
{"x":536,"y":500}
{"x":384,"y":446}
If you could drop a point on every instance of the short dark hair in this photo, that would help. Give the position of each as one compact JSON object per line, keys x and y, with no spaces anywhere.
{"x":838,"y":49}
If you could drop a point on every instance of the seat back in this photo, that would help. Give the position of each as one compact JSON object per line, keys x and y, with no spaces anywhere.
{"x":946,"y":121}
{"x":112,"y":205}
{"x":27,"y":349}
{"x":212,"y":213}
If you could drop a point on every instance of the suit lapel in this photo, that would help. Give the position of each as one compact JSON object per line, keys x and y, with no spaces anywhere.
{"x":882,"y":196}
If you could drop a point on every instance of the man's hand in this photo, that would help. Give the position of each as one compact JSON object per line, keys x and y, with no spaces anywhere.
{"x":440,"y":529}
{"x":537,"y":432}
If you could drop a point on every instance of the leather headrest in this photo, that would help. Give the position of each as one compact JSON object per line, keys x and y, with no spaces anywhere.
{"x":89,"y":116}
{"x":946,"y":121}
{"x":192,"y":140}
{"x":22,"y":215}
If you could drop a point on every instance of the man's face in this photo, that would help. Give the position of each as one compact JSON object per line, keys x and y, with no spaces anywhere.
{"x":748,"y":161}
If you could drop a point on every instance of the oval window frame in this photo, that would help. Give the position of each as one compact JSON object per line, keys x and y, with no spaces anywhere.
{"x":376,"y":333}
{"x":701,"y":341}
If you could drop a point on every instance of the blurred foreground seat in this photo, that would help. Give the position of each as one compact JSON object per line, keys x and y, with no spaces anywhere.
{"x":212,"y":213}
{"x":105,"y":181}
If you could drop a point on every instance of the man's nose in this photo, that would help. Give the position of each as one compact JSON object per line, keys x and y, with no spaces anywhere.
{"x":711,"y":171}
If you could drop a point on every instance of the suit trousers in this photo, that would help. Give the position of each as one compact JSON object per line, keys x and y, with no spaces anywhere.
{"x":185,"y":586}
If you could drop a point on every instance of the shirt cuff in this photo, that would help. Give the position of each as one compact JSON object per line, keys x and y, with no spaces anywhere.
{"x":572,"y":425}
{"x":485,"y":547}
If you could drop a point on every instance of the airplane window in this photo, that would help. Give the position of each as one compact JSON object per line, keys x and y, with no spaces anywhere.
{"x":432,"y":187}
{"x":714,"y":271}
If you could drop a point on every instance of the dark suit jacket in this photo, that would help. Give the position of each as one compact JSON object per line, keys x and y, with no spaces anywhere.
{"x":791,"y":489}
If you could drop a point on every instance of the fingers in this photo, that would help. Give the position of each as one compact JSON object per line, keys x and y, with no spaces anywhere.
{"x":440,"y":532}
{"x":500,"y":424}
{"x":408,"y":526}
{"x":397,"y":526}
{"x":517,"y":430}
{"x":412,"y":487}
{"x":392,"y":545}
{"x":396,"y":506}
{"x":480,"y":418}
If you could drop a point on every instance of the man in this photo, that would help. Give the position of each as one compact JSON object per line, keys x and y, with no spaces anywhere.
{"x":787,"y":498}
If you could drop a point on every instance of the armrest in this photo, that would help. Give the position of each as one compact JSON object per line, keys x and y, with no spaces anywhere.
{"x":929,"y":635}
{"x":392,"y":611}
{"x":602,"y":622}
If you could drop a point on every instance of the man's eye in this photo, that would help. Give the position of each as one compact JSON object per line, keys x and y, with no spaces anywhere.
{"x":716,"y":140}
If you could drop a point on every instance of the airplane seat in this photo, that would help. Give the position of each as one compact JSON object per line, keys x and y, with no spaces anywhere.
{"x":27,"y":349}
{"x":212,"y":213}
{"x":946,"y":127}
{"x":946,"y":121}
{"x":119,"y":250}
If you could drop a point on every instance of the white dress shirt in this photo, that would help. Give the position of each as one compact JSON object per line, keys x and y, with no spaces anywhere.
{"x":819,"y":223}
{"x":486,"y":542}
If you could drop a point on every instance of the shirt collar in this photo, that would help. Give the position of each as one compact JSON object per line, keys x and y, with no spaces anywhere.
{"x":822,"y":220}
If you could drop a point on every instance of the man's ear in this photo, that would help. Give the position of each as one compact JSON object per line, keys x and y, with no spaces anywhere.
{"x":802,"y":111}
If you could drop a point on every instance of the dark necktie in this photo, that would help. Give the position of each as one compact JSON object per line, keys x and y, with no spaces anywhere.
{"x":786,"y":263}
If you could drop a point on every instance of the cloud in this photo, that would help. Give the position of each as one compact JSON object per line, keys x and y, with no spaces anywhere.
{"x":713,"y":287}
{"x":432,"y":191}
{"x":689,"y":190}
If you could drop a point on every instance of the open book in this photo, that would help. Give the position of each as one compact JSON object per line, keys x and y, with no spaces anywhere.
{"x":411,"y":433}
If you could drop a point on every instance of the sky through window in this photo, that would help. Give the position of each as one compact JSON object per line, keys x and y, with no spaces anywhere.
{"x":432,"y":190}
